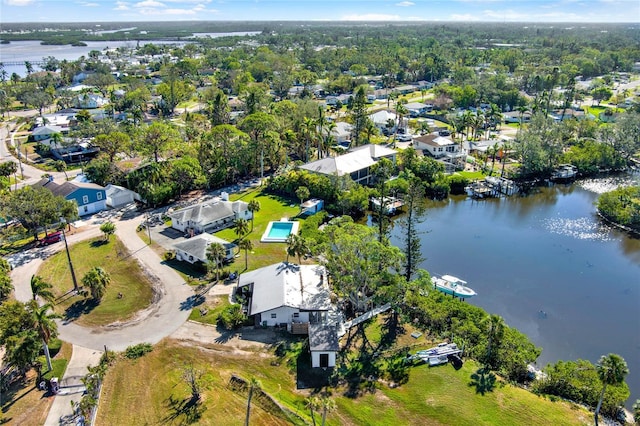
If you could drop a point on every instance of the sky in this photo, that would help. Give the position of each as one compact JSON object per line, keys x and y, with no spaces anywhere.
{"x":326,"y":10}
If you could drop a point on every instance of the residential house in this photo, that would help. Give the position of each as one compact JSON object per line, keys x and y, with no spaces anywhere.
{"x":561,"y":115}
{"x":46,"y":132}
{"x":90,"y":101}
{"x":406,"y":89}
{"x":118,"y":196}
{"x":385,"y":121}
{"x":209,"y":216}
{"x":194,"y":250}
{"x":286,"y":294}
{"x":342,"y":132}
{"x":416,"y":109}
{"x":356,"y":163}
{"x":435,"y":145}
{"x":514,"y":117}
{"x":89,"y":197}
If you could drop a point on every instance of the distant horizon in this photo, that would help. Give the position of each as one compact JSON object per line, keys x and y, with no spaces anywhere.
{"x":399,"y":11}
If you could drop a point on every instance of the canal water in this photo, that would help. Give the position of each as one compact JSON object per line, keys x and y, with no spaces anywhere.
{"x":548,"y":265}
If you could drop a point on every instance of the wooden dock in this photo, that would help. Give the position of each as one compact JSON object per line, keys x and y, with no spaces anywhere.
{"x":491,"y":187}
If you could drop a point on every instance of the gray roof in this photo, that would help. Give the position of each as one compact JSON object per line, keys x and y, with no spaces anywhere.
{"x":197,"y":246}
{"x":357,"y":159}
{"x":286,"y":284}
{"x":323,"y":337}
{"x":205,"y":213}
{"x":66,"y":188}
{"x":415,"y":105}
{"x":47,"y":130}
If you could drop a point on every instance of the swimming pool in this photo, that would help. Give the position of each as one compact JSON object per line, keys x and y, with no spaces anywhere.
{"x":277,"y":232}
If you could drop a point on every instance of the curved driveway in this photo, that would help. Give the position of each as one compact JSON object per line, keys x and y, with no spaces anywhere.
{"x":160,"y":320}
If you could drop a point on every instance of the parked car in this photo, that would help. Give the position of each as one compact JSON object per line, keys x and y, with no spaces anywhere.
{"x":51,"y":238}
{"x":404,"y":138}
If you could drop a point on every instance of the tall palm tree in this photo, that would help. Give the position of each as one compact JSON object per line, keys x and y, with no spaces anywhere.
{"x":506,"y":146}
{"x":39,"y":287}
{"x":494,"y":327}
{"x":253,"y":207}
{"x":241,"y":228}
{"x":492,"y":151}
{"x":215,"y":254}
{"x":612,"y":369}
{"x":522,"y":109}
{"x":296,"y":246}
{"x":312,"y":403}
{"x":44,"y":323}
{"x":97,"y":279}
{"x":246,"y":245}
{"x":254,"y":384}
{"x":61,"y":166}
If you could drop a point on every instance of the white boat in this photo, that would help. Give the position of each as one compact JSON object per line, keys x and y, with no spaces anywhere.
{"x":454,"y":286}
{"x":391,"y":204}
{"x":437,"y":355}
{"x":565,"y":172}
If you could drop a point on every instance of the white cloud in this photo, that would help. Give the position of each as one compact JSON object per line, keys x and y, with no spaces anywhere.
{"x":18,"y":2}
{"x":120,"y":5}
{"x":371,"y":17}
{"x":149,"y":3}
{"x":405,"y":3}
{"x":87,"y":4}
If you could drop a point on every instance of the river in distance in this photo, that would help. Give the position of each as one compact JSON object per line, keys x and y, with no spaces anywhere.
{"x":548,"y":265}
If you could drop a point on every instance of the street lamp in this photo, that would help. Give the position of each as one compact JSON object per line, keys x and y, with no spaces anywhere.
{"x":66,"y":246}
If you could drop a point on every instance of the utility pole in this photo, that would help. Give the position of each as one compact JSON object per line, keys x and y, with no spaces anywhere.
{"x":73,"y":274}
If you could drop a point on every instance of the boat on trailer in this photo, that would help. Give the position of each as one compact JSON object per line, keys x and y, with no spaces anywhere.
{"x":440,"y":354}
{"x":454,"y":286}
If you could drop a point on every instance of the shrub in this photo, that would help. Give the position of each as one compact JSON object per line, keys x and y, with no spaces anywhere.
{"x":169,"y":255}
{"x":457,"y":184}
{"x":137,"y":351}
{"x":231,"y":317}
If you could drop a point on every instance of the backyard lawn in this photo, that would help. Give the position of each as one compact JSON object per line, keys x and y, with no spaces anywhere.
{"x":272,"y":208}
{"x":126,"y":274}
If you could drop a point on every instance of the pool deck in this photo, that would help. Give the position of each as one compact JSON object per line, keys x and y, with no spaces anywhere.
{"x":266,"y":238}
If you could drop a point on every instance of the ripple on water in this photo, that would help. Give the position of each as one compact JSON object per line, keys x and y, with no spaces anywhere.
{"x":602,"y":185}
{"x":583,"y":228}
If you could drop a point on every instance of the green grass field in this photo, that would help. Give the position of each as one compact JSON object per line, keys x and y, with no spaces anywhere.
{"x":126,"y":277}
{"x":437,"y":395}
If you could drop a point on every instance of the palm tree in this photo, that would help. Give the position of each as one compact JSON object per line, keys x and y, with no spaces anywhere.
{"x":245,"y":245}
{"x":39,"y":287}
{"x":253,"y":207}
{"x":522,"y":109}
{"x":61,"y":166}
{"x":312,"y":403}
{"x":327,"y":405}
{"x":506,"y":146}
{"x":241,"y":228}
{"x":612,"y":370}
{"x":253,"y":385}
{"x":216,"y":254}
{"x":97,"y":279}
{"x":296,"y":246}
{"x":494,"y":326}
{"x":47,"y":329}
{"x":492,"y":151}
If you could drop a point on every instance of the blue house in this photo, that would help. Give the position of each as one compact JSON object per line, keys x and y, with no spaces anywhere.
{"x":89,"y":197}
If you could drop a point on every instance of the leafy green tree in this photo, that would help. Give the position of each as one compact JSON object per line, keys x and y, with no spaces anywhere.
{"x":18,"y":335}
{"x":612,"y":369}
{"x":41,"y":288}
{"x":494,"y":327}
{"x":358,"y":115}
{"x":303,"y":194}
{"x":636,"y":411}
{"x":37,"y":207}
{"x":258,"y":125}
{"x":108,"y":229}
{"x":409,"y":223}
{"x":97,"y":280}
{"x":5,"y":280}
{"x":157,"y":138}
{"x":100,"y":81}
{"x":44,"y":323}
{"x":61,"y":166}
{"x":113,"y":143}
{"x":381,"y":172}
{"x":216,"y":254}
{"x":186,"y":173}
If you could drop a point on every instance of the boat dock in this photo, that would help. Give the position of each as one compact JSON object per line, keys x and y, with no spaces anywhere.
{"x":391,"y":204}
{"x":491,"y":187}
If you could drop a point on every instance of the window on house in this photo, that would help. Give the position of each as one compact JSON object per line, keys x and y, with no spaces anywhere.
{"x":85,"y":199}
{"x":99,"y":195}
{"x":296,"y":314}
{"x":274,"y":315}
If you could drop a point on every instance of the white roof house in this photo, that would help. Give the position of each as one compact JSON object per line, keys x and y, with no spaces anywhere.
{"x":355,"y":163}
{"x":45,"y":132}
{"x":194,"y":249}
{"x":342,"y":131}
{"x":286,"y":293}
{"x":210,"y":216}
{"x":118,"y":196}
